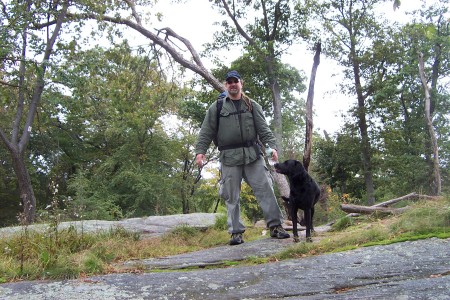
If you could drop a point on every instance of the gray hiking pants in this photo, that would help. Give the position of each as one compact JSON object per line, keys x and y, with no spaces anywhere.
{"x":258,"y":177}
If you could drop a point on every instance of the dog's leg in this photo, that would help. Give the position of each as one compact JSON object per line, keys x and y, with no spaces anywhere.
{"x":294,"y":222}
{"x":308,"y":224}
{"x":301,"y":215}
{"x":312,"y":217}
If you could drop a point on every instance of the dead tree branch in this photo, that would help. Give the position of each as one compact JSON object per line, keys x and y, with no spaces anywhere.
{"x":355,"y":210}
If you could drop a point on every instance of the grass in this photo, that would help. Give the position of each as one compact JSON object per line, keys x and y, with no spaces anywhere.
{"x":69,"y":253}
{"x":425,"y":219}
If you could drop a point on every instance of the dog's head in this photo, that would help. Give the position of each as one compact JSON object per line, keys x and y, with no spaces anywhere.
{"x":289,"y":167}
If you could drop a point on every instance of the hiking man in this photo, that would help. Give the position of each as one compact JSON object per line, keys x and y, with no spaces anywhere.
{"x":237,"y":128}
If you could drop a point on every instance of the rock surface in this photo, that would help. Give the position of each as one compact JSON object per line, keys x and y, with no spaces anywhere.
{"x":147,"y":226}
{"x":409,"y":270}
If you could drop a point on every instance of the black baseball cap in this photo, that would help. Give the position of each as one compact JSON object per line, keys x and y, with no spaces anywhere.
{"x":234,"y":74}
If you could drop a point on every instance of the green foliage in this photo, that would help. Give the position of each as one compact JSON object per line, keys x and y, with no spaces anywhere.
{"x":221,"y":222}
{"x":128,"y":165}
{"x":338,"y":163}
{"x":391,"y":96}
{"x":342,"y":223}
{"x":205,"y":196}
{"x":183,"y":232}
{"x":93,"y":264}
{"x":249,"y":205}
{"x":194,"y":110}
{"x":275,"y":26}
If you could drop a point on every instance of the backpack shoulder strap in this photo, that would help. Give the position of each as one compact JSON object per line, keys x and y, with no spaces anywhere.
{"x":219,"y":105}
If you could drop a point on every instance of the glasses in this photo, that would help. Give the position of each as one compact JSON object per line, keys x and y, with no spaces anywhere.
{"x":231,"y":81}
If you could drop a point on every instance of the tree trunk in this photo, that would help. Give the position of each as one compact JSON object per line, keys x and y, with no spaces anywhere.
{"x":25,"y":188}
{"x":23,"y":121}
{"x":362,"y":124}
{"x":366,"y":156}
{"x":280,"y":180}
{"x":436,"y":171}
{"x":309,"y":109}
{"x":276,"y":100}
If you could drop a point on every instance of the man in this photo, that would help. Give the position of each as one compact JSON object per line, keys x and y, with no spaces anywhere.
{"x":241,"y":122}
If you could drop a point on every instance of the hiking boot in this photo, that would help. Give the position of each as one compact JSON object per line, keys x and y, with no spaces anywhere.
{"x":278,"y":232}
{"x":236,"y":239}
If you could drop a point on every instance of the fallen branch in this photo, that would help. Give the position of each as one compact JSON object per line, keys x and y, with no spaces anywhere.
{"x":350,"y":208}
{"x":412,"y":196}
{"x":355,"y":210}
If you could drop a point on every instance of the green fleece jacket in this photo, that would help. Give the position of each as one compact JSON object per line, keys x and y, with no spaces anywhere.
{"x":234,"y":131}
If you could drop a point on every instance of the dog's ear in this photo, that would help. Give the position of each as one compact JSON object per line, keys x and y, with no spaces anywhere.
{"x":298,"y":164}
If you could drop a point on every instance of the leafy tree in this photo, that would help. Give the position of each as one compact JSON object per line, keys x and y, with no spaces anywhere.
{"x":106,"y":138}
{"x":352,"y":30}
{"x":399,"y":106}
{"x":395,"y":108}
{"x":337,"y":162}
{"x":274,"y":29}
{"x":24,"y":81}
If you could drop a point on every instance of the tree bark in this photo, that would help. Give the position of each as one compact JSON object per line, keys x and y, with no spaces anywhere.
{"x":355,"y":210}
{"x":280,"y":180}
{"x":309,"y":109}
{"x":411,"y":196}
{"x":362,"y":124}
{"x":28,"y":199}
{"x":278,"y":125}
{"x":349,"y":208}
{"x":435,"y":150}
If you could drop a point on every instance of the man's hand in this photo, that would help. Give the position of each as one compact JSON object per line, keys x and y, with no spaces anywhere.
{"x":200,"y":160}
{"x":274,"y":155}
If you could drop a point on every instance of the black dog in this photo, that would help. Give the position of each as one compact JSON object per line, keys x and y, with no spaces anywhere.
{"x":304,"y":194}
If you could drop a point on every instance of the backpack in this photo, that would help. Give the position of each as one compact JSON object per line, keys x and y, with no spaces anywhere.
{"x":259,"y":148}
{"x":219,"y":104}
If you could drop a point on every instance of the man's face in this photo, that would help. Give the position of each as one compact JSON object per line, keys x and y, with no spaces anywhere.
{"x":234,"y":86}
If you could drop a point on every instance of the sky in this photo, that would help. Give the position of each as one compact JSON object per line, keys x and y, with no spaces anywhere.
{"x":329,"y":103}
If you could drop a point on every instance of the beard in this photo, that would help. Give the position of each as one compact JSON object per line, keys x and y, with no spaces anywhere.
{"x":234,"y":91}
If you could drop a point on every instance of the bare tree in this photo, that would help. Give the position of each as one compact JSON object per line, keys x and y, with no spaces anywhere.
{"x":429,"y":120}
{"x":309,"y":108}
